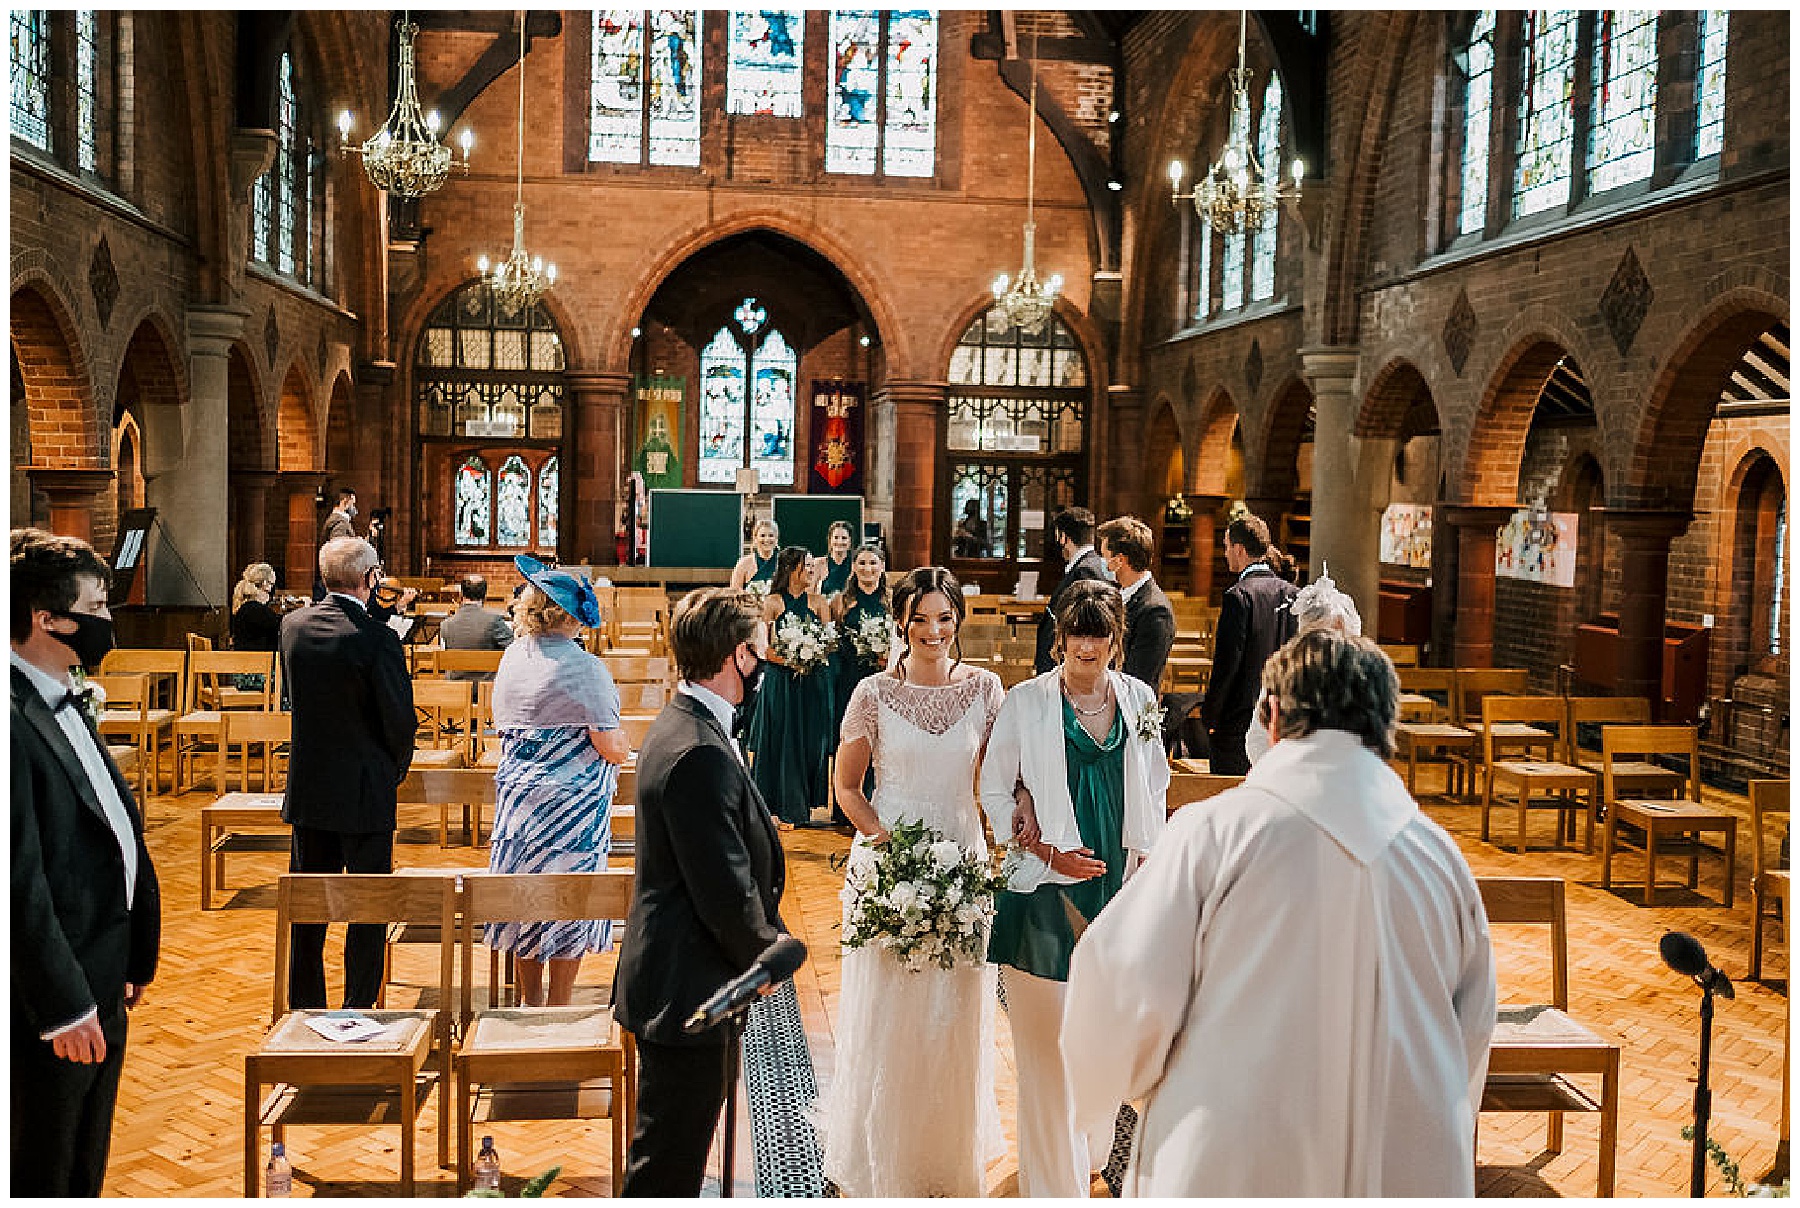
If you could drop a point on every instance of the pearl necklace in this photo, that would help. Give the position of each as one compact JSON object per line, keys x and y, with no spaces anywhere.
{"x":1105,"y":699}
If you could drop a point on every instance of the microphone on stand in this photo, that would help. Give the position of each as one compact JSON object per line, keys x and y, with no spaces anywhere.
{"x":1683,"y":953}
{"x":777,"y":963}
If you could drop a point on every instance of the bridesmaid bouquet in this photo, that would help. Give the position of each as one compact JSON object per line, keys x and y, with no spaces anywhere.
{"x":924,"y":898}
{"x":804,"y":643}
{"x":873,"y":637}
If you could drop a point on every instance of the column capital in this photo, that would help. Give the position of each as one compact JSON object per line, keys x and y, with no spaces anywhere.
{"x":1472,"y":516}
{"x":1645,"y":524}
{"x":925,"y":394}
{"x":1326,"y":362}
{"x":598,"y":381}
{"x":69,"y":483}
{"x":211,"y":330}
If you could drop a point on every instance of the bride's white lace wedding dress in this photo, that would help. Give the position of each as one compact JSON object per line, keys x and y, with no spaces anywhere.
{"x":910,"y":1110}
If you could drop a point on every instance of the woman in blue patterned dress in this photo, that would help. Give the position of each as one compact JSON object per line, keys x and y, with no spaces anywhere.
{"x":557,"y":713}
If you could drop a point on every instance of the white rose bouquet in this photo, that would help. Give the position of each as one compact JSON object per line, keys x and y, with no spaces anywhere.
{"x":805,"y":644}
{"x":873,"y":638}
{"x":924,"y":898}
{"x":758,"y":588}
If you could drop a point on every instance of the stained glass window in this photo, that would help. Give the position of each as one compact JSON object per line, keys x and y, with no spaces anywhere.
{"x":721,"y":408}
{"x":1478,"y":112}
{"x":772,"y":411}
{"x":87,"y":74}
{"x":1546,"y":110}
{"x":675,"y":87}
{"x":512,"y":509}
{"x":763,"y":72}
{"x":1203,"y":283}
{"x":1264,"y":238}
{"x":284,"y":169}
{"x":261,"y":216}
{"x":850,"y":136}
{"x":616,"y":91}
{"x":1232,"y":267}
{"x":474,"y":501}
{"x":910,"y":139}
{"x":1709,"y":131}
{"x":31,"y":76}
{"x":1778,"y":590}
{"x":1622,"y":132}
{"x":549,"y":497}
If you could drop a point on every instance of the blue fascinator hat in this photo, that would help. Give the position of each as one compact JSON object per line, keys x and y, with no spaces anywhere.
{"x":571,"y":593}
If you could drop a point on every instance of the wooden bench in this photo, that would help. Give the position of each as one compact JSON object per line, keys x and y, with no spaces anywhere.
{"x":237,"y":822}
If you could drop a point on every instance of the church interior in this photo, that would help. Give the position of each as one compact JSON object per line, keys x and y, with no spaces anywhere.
{"x":1498,"y":336}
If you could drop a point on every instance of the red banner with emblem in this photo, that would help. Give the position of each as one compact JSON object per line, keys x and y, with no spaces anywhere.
{"x":837,"y":438}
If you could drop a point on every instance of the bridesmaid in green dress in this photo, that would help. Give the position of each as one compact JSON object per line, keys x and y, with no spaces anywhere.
{"x":758,"y":566}
{"x":865,"y":596}
{"x":838,"y":540}
{"x":790,"y":732}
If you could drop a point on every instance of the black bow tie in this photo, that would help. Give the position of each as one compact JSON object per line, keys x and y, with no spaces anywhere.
{"x":75,"y":699}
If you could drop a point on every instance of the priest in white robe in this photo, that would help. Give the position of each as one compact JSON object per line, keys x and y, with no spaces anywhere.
{"x":1298,"y":983}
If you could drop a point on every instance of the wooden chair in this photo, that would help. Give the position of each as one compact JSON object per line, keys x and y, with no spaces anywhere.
{"x":267,"y":730}
{"x":638,"y":618}
{"x":1426,"y":692}
{"x":1530,"y":781}
{"x":468,"y":662}
{"x":636,"y":726}
{"x":167,"y":670}
{"x":1401,"y":656}
{"x":1473,"y":683}
{"x":1768,"y":878}
{"x":470,"y":788}
{"x":128,"y":714}
{"x":1430,"y":734}
{"x":237,"y":822}
{"x":1658,"y":819}
{"x":505,"y":1047}
{"x":446,"y":710}
{"x":1537,"y":1050}
{"x":197,"y":642}
{"x":1185,"y":788}
{"x":322,"y":1081}
{"x":200,"y":730}
{"x":1633,"y":778}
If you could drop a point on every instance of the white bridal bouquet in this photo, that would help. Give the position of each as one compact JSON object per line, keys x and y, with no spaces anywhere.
{"x":804,"y":643}
{"x":924,"y":898}
{"x":873,"y":638}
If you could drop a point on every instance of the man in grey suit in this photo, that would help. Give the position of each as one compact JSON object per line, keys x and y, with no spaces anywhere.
{"x":473,"y":626}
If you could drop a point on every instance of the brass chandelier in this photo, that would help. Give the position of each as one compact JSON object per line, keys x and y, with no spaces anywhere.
{"x":1237,"y":193}
{"x":405,"y":156}
{"x":1025,"y":301}
{"x":521,"y":279}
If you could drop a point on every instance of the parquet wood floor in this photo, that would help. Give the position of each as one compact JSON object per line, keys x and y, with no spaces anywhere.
{"x":178,"y":1126}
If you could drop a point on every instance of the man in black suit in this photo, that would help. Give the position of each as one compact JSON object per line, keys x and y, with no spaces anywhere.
{"x":1255,"y":619}
{"x":86,"y":913}
{"x":709,"y":878}
{"x":352,"y":745}
{"x":1073,"y":530}
{"x":337,"y":524}
{"x":1125,"y":547}
{"x":474,"y":627}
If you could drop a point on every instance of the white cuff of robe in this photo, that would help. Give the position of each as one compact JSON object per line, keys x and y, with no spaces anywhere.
{"x":53,"y":1033}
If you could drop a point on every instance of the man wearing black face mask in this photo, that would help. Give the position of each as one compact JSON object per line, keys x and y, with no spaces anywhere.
{"x":86,"y":914}
{"x":709,"y":878}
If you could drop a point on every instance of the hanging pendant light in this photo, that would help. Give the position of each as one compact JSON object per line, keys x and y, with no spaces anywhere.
{"x":1024,"y":300}
{"x":521,"y":279}
{"x":404,"y":156}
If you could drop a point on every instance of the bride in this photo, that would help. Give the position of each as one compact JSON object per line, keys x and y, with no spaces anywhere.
{"x":910,"y":1110}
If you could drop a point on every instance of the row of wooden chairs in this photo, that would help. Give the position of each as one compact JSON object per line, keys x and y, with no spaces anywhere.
{"x":176,"y":701}
{"x":498,"y":1058}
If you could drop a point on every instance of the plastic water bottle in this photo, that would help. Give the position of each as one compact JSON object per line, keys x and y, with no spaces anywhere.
{"x":278,"y":1176}
{"x":487,"y":1167}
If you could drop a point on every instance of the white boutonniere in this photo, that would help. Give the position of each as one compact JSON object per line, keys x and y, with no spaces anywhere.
{"x":93,"y":696}
{"x":1148,"y":725}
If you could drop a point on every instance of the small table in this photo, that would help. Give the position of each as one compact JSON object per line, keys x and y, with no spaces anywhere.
{"x":1659,"y":818}
{"x":221,"y":830}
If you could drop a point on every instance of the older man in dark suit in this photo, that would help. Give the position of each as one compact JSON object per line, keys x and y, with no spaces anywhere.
{"x":1125,"y":547}
{"x":86,"y":913}
{"x":1073,"y":530}
{"x":709,"y":878}
{"x":1254,"y":620}
{"x":352,"y":745}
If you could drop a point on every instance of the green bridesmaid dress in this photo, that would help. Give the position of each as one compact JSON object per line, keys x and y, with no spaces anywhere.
{"x":765,"y":567}
{"x":791,"y":734}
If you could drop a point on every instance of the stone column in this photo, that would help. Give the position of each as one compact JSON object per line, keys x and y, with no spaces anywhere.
{"x":1476,"y":528}
{"x":594,"y":461}
{"x":1346,"y":525}
{"x":250,"y":514}
{"x":72,"y":494}
{"x":300,"y":554}
{"x":1644,"y":537}
{"x":1203,"y":541}
{"x":909,"y":420}
{"x":190,"y":564}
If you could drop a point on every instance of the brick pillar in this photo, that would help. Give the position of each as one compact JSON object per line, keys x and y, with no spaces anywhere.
{"x":193,"y":498}
{"x":1644,"y":538}
{"x":72,"y":495}
{"x":1476,"y":528}
{"x":913,"y":412}
{"x":1203,"y":542}
{"x":597,"y":403}
{"x":1126,"y":452}
{"x":250,"y":516}
{"x":300,"y":556}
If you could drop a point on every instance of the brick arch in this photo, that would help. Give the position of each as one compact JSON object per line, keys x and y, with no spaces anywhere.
{"x":59,"y":395}
{"x":1165,"y":452}
{"x":296,"y":438}
{"x":1392,"y":393}
{"x":1488,"y":472}
{"x":1284,"y":426}
{"x":1208,"y":471}
{"x":337,"y":403}
{"x":1744,"y":580}
{"x":249,"y":444}
{"x":894,"y":339}
{"x":1665,"y":448}
{"x":128,"y":463}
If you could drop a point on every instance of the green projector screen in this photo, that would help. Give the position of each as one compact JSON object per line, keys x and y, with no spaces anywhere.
{"x":806,"y":519}
{"x":696,"y":528}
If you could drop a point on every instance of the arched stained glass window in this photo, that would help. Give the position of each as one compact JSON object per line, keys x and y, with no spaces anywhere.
{"x":910,"y":139}
{"x":865,"y":82}
{"x":721,"y":408}
{"x":1203,"y":281}
{"x":1778,"y":590}
{"x":1478,"y":112}
{"x":747,"y":400}
{"x":31,"y":76}
{"x":622,"y":111}
{"x":512,"y":509}
{"x":764,"y":64}
{"x":474,"y":501}
{"x":87,"y":75}
{"x":1263,"y":240}
{"x":1709,"y":106}
{"x":548,"y":500}
{"x":616,"y":91}
{"x":1622,"y":130}
{"x":851,"y":134}
{"x":286,"y":161}
{"x":1232,"y":267}
{"x":772,"y":411}
{"x":1546,"y":110}
{"x":281,"y":200}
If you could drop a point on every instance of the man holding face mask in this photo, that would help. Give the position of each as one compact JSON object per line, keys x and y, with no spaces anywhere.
{"x":352,"y":745}
{"x":86,"y":913}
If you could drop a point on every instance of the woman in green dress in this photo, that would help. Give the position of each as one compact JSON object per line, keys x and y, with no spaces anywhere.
{"x":864,"y":597}
{"x":1075,"y":773}
{"x":758,"y":566}
{"x":790,"y":732}
{"x":838,"y":539}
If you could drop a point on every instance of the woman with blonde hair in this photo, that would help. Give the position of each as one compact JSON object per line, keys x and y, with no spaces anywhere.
{"x":758,"y":566}
{"x":254,"y":624}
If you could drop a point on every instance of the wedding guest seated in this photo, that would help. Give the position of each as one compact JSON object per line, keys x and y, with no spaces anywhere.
{"x":473,"y":626}
{"x":1300,"y":983}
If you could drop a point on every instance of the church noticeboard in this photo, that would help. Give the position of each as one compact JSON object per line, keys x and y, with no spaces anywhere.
{"x":658,"y":454}
{"x":837,"y":438}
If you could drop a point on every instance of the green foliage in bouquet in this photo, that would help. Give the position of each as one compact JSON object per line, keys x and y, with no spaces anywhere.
{"x":924,"y":898}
